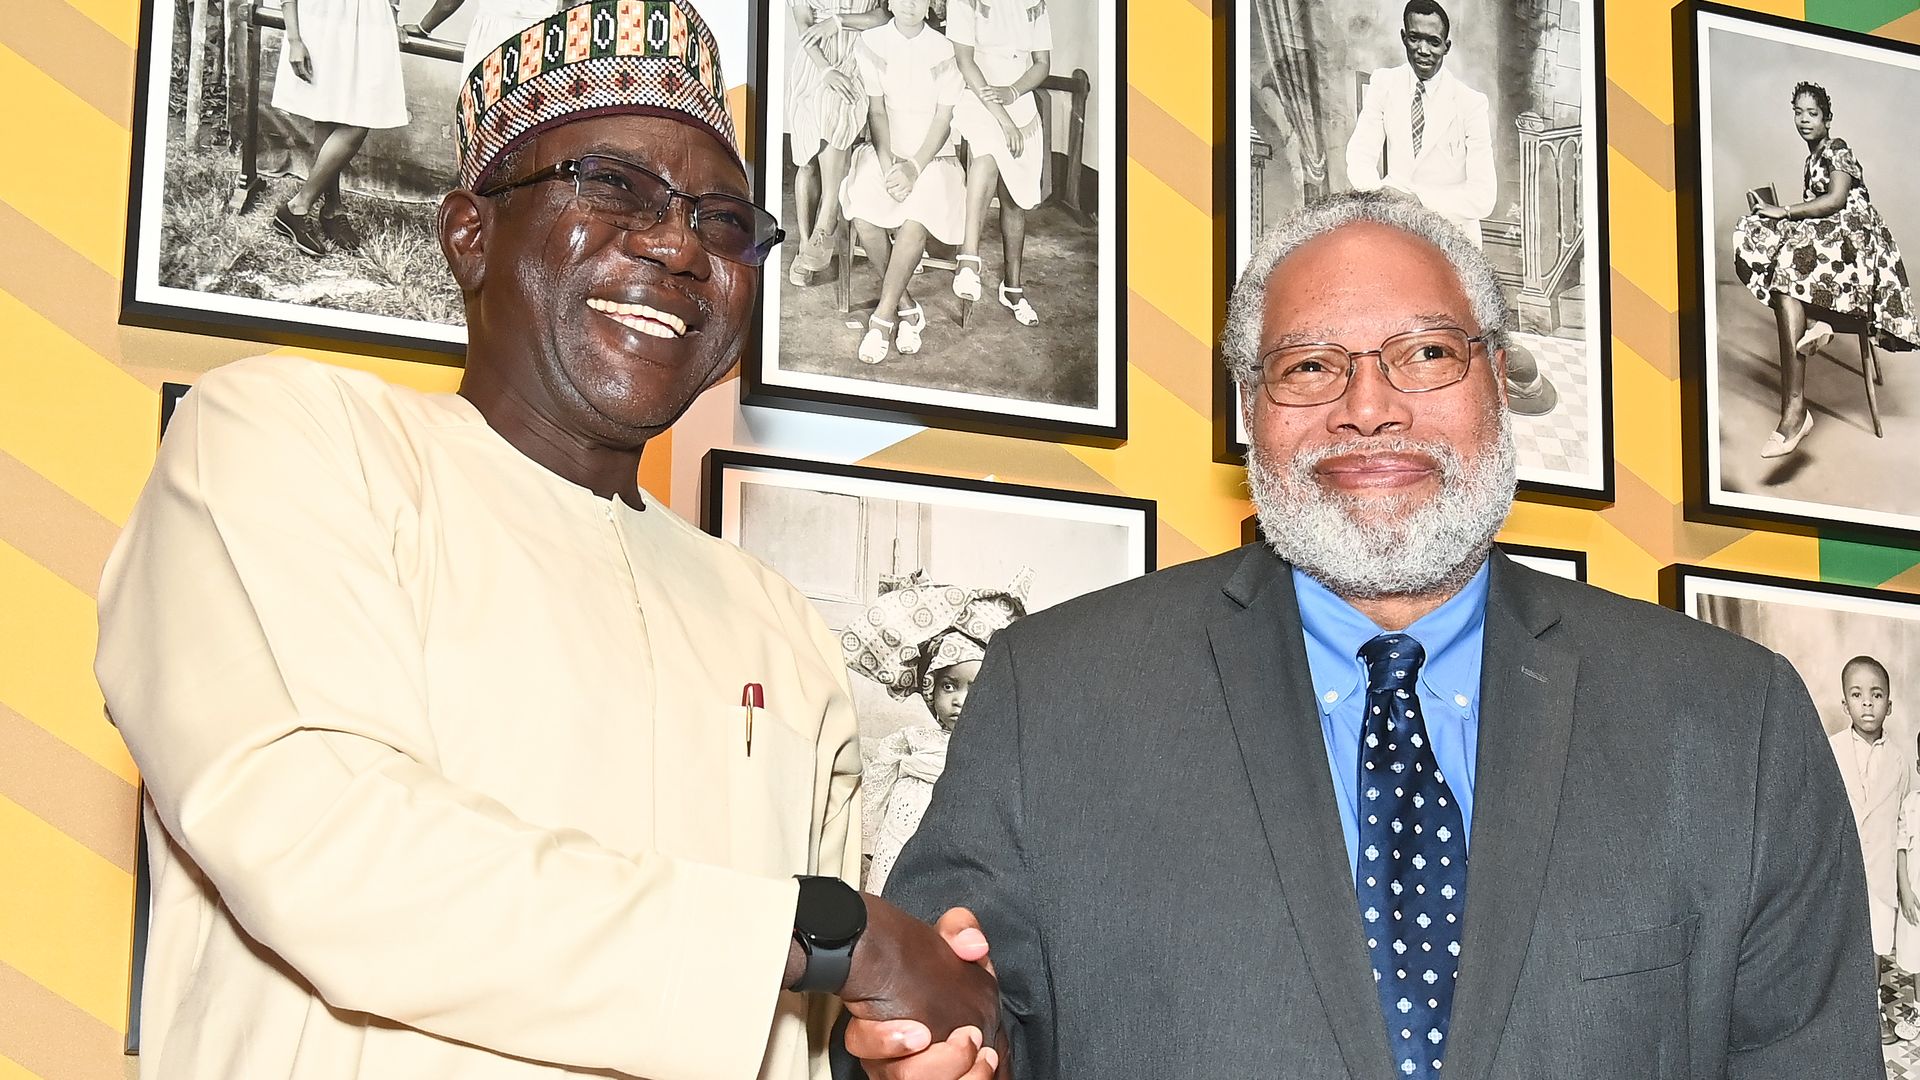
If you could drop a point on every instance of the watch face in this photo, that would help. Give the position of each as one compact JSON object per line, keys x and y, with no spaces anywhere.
{"x":830,"y":913}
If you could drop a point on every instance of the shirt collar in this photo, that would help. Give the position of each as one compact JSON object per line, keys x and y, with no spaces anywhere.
{"x":1859,"y":738}
{"x":1452,"y":636}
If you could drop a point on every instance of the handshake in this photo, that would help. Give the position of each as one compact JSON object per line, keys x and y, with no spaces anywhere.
{"x":923,"y":1001}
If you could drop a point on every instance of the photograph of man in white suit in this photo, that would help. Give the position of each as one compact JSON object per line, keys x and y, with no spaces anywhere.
{"x":1428,"y":128}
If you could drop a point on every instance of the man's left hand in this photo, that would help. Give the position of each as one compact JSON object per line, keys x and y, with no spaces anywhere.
{"x":904,"y":1049}
{"x":904,"y":970}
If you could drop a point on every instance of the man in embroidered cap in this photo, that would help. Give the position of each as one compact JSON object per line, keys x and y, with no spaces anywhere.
{"x":441,"y":720}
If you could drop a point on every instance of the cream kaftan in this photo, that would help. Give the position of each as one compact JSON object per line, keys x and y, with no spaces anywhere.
{"x":449,"y":755}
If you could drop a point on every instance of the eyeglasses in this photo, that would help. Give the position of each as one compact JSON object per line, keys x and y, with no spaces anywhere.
{"x":1413,"y":363}
{"x":629,"y":197}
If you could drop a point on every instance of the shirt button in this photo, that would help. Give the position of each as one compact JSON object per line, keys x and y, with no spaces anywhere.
{"x":1330,"y":696}
{"x":1460,"y":700}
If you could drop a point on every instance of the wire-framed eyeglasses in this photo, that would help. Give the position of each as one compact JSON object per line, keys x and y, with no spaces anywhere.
{"x":629,"y":197}
{"x":1413,"y":363}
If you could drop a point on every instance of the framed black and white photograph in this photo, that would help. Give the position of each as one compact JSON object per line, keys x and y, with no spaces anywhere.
{"x":951,"y":178}
{"x":1560,"y":562}
{"x":288,"y":194}
{"x":1490,"y":112}
{"x":1800,"y":191}
{"x":1858,"y":651}
{"x":915,"y":574}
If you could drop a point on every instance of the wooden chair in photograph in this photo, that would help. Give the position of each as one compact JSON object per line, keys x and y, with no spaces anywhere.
{"x":1870,"y":374}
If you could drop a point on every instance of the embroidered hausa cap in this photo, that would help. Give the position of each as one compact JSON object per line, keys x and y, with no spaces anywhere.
{"x":590,"y":59}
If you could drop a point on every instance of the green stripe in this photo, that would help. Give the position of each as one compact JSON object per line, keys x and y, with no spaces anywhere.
{"x":1862,"y":15}
{"x":1863,"y":564}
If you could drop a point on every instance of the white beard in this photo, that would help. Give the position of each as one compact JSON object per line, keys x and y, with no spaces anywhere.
{"x":1374,"y":547}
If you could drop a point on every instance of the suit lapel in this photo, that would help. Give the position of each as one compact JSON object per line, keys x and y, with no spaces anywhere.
{"x":1526,"y":722}
{"x":1262,"y":661}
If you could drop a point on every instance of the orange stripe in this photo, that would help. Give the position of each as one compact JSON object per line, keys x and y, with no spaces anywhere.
{"x":75,"y":50}
{"x":1639,"y":136}
{"x":46,"y":1033}
{"x":52,"y":527}
{"x":1174,"y":358}
{"x":1170,"y":150}
{"x":66,"y":790}
{"x":1645,"y":327}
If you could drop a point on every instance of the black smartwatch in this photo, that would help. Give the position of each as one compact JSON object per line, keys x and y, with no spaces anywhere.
{"x":829,"y":920}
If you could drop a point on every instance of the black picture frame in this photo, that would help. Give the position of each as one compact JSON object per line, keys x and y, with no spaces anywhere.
{"x":718,"y":462}
{"x":146,"y":301}
{"x":1234,"y":190}
{"x":1708,"y":497}
{"x":1573,"y":560}
{"x":765,"y":383}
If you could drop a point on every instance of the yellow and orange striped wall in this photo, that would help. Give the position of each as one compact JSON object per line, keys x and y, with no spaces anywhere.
{"x":79,"y":413}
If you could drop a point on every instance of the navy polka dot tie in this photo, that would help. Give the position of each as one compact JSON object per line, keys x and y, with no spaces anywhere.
{"x":1412,"y":874}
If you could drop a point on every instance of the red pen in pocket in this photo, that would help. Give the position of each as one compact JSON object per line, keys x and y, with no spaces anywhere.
{"x":752,"y":697}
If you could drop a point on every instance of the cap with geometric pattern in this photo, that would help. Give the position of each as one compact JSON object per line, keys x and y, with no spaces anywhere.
{"x":593,"y":58}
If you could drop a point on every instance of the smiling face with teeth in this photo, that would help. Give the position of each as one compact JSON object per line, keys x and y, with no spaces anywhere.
{"x":586,"y":340}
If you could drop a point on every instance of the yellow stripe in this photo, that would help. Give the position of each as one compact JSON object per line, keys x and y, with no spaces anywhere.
{"x":1177,"y":280}
{"x":1647,"y":427}
{"x":47,"y":634}
{"x":13,"y":1070}
{"x":1648,"y":261}
{"x":1166,"y":64}
{"x":68,"y":928}
{"x":1772,"y":553}
{"x":117,"y":17}
{"x":1169,"y":460}
{"x":66,"y":165}
{"x":72,"y":416}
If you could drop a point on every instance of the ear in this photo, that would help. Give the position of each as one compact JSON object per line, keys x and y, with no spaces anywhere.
{"x":465,"y":221}
{"x":1500,"y":375}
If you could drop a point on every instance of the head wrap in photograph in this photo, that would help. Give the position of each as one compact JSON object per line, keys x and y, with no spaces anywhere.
{"x":916,"y":628}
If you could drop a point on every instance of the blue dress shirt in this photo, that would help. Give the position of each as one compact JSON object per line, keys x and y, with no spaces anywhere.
{"x":1452,"y":635}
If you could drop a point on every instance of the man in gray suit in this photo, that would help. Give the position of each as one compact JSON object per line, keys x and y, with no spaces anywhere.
{"x":1216,"y":822}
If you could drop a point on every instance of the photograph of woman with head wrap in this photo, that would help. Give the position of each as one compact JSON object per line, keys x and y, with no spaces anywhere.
{"x":926,"y":640}
{"x":914,"y":575}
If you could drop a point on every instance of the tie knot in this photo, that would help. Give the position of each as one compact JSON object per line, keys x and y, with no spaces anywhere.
{"x":1393,"y":661}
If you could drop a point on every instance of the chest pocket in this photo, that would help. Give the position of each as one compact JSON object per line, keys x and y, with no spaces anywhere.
{"x":1632,"y":1000}
{"x":773,"y":794}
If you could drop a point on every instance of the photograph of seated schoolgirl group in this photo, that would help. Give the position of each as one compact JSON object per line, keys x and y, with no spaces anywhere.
{"x":946,"y":172}
{"x":293,"y":155}
{"x":1487,"y":112}
{"x":1810,"y":211}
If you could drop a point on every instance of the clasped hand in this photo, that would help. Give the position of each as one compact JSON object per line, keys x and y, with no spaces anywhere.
{"x":926,"y":1005}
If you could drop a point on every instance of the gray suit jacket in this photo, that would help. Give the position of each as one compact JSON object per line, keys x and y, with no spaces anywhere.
{"x":1664,"y":878}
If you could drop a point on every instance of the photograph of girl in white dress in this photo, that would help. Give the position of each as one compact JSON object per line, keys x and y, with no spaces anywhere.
{"x":302,"y":201}
{"x":1809,"y":208}
{"x":947,"y":170}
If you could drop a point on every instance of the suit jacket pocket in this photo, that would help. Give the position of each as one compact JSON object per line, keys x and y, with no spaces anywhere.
{"x":1631,"y":1003}
{"x":1636,"y":950}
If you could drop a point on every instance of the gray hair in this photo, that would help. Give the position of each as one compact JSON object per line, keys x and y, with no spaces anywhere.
{"x":1240,"y":344}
